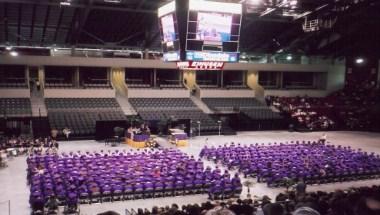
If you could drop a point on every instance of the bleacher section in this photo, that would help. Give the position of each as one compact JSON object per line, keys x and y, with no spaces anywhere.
{"x":97,"y":85}
{"x":247,"y":113}
{"x":236,"y":87}
{"x":142,"y":104}
{"x":158,"y":109}
{"x":172,"y":86}
{"x":230,"y":104}
{"x":261,"y":114}
{"x":81,"y":114}
{"x":13,"y":85}
{"x":58,"y":85}
{"x":15,"y":107}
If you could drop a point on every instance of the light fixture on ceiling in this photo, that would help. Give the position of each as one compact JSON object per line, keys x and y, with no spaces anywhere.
{"x":65,"y":3}
{"x":293,"y":2}
{"x":13,"y":53}
{"x":359,"y":60}
{"x":255,"y":2}
{"x":113,"y":1}
{"x":289,"y":57}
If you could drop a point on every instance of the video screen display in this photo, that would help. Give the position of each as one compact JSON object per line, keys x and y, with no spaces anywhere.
{"x":214,"y":27}
{"x":168,"y":30}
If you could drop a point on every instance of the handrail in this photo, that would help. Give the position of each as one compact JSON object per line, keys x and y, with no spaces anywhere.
{"x":133,"y":211}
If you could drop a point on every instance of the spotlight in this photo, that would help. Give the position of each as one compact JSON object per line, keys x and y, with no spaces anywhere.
{"x":255,"y":2}
{"x":293,"y":2}
{"x":65,"y":3}
{"x":8,"y":48}
{"x":289,"y":57}
{"x":359,"y":60}
{"x":13,"y":53}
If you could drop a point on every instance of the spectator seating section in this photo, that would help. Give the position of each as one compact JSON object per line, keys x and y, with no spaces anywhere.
{"x":349,"y":108}
{"x":139,"y":86}
{"x":347,"y":201}
{"x":163,"y":104}
{"x":251,"y":107}
{"x":178,"y":108}
{"x":236,"y":87}
{"x":81,"y":114}
{"x":261,"y":114}
{"x":90,"y":177}
{"x":306,"y":112}
{"x":220,"y":104}
{"x":207,"y":86}
{"x":13,"y":85}
{"x":98,"y":85}
{"x":172,"y":86}
{"x":15,"y":107}
{"x":316,"y":163}
{"x":58,"y":85}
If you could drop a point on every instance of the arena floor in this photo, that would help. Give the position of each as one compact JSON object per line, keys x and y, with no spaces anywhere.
{"x":13,"y":184}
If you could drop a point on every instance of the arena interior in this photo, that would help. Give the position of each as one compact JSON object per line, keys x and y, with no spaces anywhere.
{"x":190,"y":107}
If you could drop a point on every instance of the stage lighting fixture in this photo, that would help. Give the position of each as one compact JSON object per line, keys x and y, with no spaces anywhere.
{"x":255,"y":2}
{"x":65,"y":3}
{"x":113,"y":1}
{"x":359,"y":60}
{"x":13,"y":53}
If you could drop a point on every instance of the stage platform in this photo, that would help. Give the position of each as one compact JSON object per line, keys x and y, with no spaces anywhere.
{"x":14,"y":187}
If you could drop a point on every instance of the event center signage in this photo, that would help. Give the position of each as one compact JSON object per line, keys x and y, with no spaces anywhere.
{"x":195,"y":65}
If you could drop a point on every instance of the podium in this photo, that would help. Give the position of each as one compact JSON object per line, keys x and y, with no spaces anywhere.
{"x":138,"y":140}
{"x":178,"y":137}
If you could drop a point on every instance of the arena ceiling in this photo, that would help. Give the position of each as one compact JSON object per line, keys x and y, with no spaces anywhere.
{"x":350,"y":27}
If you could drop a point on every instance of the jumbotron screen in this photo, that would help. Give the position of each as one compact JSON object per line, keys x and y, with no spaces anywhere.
{"x":214,"y":27}
{"x":213,"y":31}
{"x":169,"y":32}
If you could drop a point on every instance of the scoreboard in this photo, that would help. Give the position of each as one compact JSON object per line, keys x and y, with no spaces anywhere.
{"x":211,"y":30}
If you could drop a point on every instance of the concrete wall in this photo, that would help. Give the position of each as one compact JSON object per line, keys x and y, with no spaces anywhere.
{"x":83,"y":61}
{"x":118,"y":80}
{"x":253,"y":83}
{"x":139,"y":63}
{"x":158,"y":93}
{"x":215,"y":93}
{"x":335,"y":78}
{"x":14,"y":93}
{"x":79,"y":93}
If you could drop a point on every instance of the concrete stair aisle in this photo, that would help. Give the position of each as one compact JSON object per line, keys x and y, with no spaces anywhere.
{"x":201,"y":105}
{"x":125,"y":105}
{"x":38,"y":104}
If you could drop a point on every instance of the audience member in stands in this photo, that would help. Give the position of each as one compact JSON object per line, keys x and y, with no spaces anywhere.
{"x":66,"y":131}
{"x":38,"y":85}
{"x":300,"y":187}
{"x":354,"y":201}
{"x":54,"y":133}
{"x":15,"y":146}
{"x":323,"y":138}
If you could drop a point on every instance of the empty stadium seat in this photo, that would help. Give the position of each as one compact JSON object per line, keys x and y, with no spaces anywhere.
{"x":15,"y":107}
{"x":81,"y":114}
